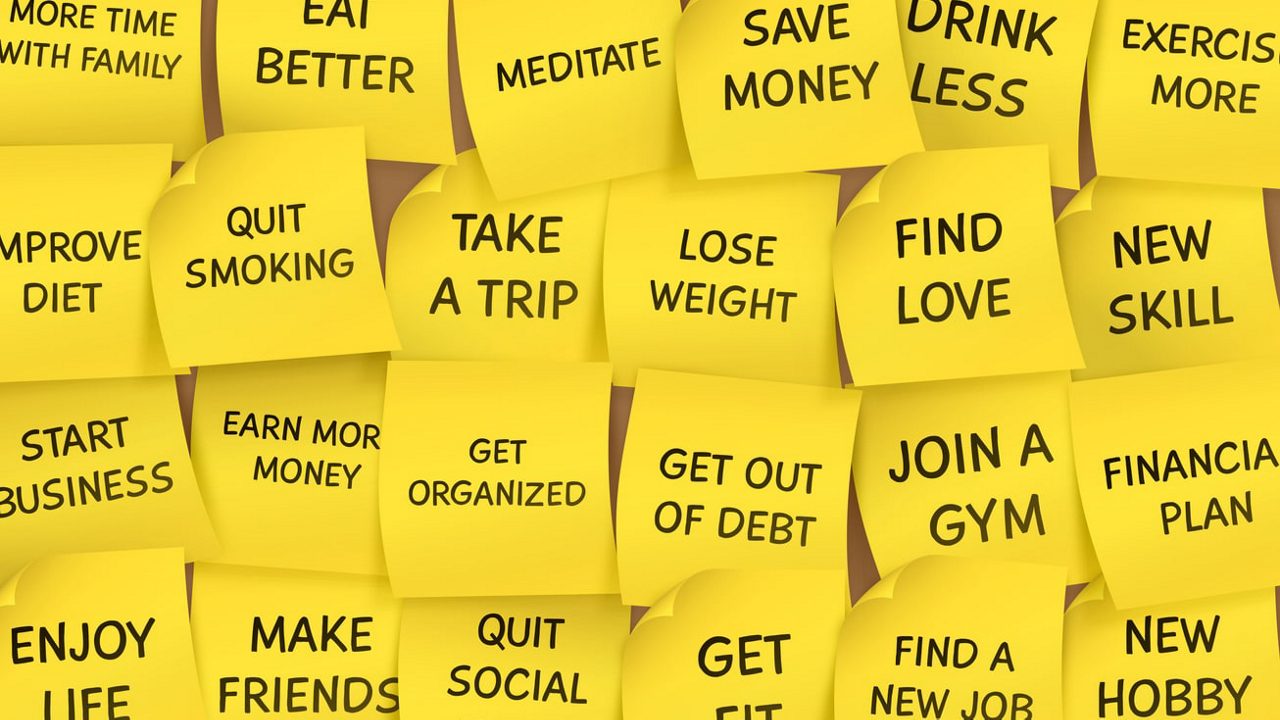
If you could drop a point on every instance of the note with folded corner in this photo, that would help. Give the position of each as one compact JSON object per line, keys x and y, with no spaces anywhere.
{"x":96,"y":465}
{"x":946,"y":267}
{"x":1002,"y":72}
{"x":512,"y":658}
{"x":1163,"y":275}
{"x":495,"y":479}
{"x":1176,"y":473}
{"x":98,"y":635}
{"x":287,"y":458}
{"x":729,"y":473}
{"x":263,"y":249}
{"x":1185,"y":90}
{"x":291,"y":643}
{"x":73,"y":252}
{"x":124,"y":72}
{"x":737,"y":644}
{"x":471,"y":277}
{"x":977,"y":468}
{"x":1214,"y":657}
{"x":774,"y":87}
{"x":562,"y":93}
{"x":725,"y":277}
{"x":955,"y":639}
{"x":383,"y":65}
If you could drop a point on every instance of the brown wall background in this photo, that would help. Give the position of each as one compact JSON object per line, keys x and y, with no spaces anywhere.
{"x":389,"y":182}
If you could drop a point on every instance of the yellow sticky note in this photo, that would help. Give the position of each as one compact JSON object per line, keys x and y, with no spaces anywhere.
{"x":1185,"y":90}
{"x":1164,"y":275}
{"x":82,"y":73}
{"x":728,"y":473}
{"x":512,"y":658}
{"x":73,"y":256}
{"x":1202,"y":658}
{"x":96,"y":465}
{"x":955,"y":639}
{"x":287,"y":458}
{"x":737,"y":644}
{"x":1003,"y":74}
{"x":321,"y":63}
{"x":471,"y":277}
{"x":726,"y":277}
{"x":98,"y":636}
{"x":1172,"y":468}
{"x":563,"y":93}
{"x":495,"y":479}
{"x":273,"y":643}
{"x":263,"y":249}
{"x":976,"y":468}
{"x":773,"y":87}
{"x":946,"y":266}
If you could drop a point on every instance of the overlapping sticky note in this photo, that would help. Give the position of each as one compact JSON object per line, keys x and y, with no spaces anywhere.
{"x":737,"y":644}
{"x":552,"y":658}
{"x":470,"y":277}
{"x":1199,"y":658}
{"x":1179,"y":90}
{"x":1002,"y":73}
{"x":955,"y":639}
{"x":727,"y":277}
{"x":98,"y":635}
{"x":1162,"y":275}
{"x":96,"y":465}
{"x":728,"y":473}
{"x":495,"y":479}
{"x":287,"y":458}
{"x":1176,"y":473}
{"x":82,"y":73}
{"x":773,"y":87}
{"x":945,"y":267}
{"x":286,"y":642}
{"x":383,"y":65}
{"x":73,"y":258}
{"x":977,"y":468}
{"x":563,"y":93}
{"x":263,"y":249}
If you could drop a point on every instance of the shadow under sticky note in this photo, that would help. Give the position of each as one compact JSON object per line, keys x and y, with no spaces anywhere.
{"x":287,"y":458}
{"x":98,"y":635}
{"x":726,"y":277}
{"x":937,"y":635}
{"x":946,"y":267}
{"x":1175,"y":470}
{"x":102,"y":465}
{"x":562,"y":93}
{"x":263,"y":249}
{"x":729,"y":473}
{"x":471,"y":277}
{"x":977,"y":468}
{"x":77,"y":247}
{"x":512,"y":658}
{"x":79,"y":74}
{"x":743,"y":643}
{"x":495,"y":479}
{"x":290,"y":642}
{"x":383,"y":66}
{"x":1197,"y":658}
{"x":771,"y":87}
{"x":1163,"y":275}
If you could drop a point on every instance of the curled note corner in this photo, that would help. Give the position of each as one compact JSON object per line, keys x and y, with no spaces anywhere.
{"x":36,"y":572}
{"x":1082,"y":202}
{"x":1095,"y":591}
{"x":9,"y":590}
{"x":918,"y":575}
